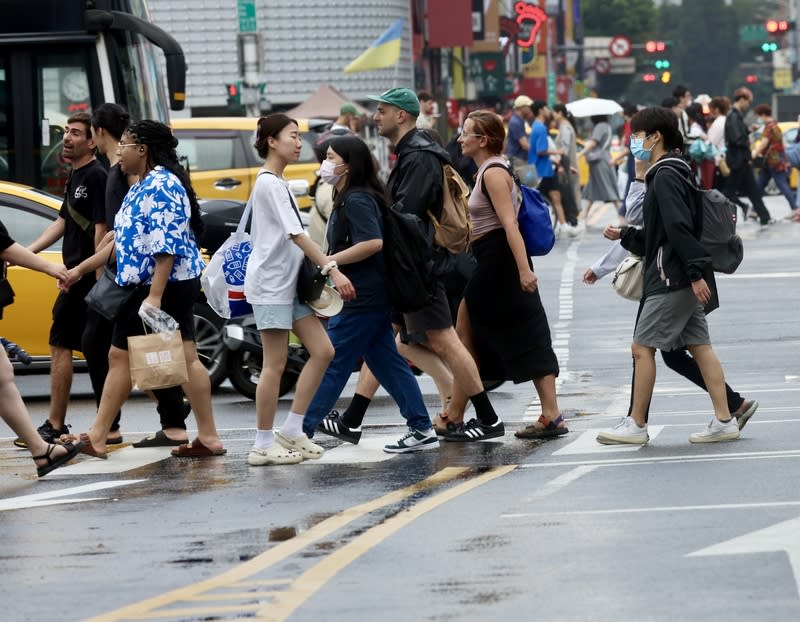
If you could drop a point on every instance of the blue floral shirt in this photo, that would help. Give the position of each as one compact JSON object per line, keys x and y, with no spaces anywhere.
{"x":154,"y":220}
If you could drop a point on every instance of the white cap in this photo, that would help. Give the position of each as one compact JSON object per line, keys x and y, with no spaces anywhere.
{"x":523,"y":100}
{"x":328,"y":304}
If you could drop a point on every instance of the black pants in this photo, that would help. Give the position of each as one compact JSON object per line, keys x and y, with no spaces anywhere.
{"x":95,"y":344}
{"x":742,"y":180}
{"x":683,"y":363}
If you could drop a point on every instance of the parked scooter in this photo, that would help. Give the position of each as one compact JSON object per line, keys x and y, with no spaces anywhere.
{"x":245,"y":357}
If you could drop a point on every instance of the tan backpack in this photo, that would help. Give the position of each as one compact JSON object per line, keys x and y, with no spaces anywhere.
{"x":454,"y":229}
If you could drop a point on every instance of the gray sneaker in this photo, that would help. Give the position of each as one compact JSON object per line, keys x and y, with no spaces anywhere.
{"x":413,"y":440}
{"x":745,"y":411}
{"x":717,"y":431}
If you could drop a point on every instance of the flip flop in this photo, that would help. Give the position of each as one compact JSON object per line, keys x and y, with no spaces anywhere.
{"x":159,"y":439}
{"x":196,"y":450}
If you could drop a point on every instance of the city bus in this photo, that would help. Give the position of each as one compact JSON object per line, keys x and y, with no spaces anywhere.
{"x":58,"y":57}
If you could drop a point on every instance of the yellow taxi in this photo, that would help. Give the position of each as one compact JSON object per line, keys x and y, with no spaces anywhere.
{"x":26,"y":212}
{"x":223,"y":162}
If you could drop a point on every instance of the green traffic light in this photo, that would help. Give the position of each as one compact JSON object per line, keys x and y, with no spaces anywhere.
{"x":768,"y":46}
{"x":662,"y":64}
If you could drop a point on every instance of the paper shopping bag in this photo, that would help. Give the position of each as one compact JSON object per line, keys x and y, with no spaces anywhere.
{"x":157,"y":360}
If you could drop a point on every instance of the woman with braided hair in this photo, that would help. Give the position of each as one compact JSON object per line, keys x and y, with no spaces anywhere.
{"x":155,"y":240}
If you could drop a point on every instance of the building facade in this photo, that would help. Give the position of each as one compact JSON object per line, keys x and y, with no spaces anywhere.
{"x":302,"y":44}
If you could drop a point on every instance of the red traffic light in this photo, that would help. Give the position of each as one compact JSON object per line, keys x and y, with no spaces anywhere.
{"x":649,"y":77}
{"x":776,"y":25}
{"x":655,"y":46}
{"x":751,"y":79}
{"x":233,"y":90}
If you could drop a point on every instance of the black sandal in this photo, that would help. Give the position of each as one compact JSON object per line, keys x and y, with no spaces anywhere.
{"x":53,"y":463}
{"x":543,"y":429}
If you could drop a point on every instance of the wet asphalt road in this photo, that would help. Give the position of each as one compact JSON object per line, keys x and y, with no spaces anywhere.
{"x":505,"y":529}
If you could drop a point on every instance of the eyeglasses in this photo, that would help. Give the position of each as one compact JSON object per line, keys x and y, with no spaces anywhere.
{"x":122,"y":145}
{"x":474,"y":135}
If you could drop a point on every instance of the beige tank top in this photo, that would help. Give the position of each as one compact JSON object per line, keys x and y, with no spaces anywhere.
{"x":484,"y":218}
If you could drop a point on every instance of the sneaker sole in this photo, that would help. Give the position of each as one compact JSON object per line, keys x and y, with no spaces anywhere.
{"x":408,"y":450}
{"x":273,"y":461}
{"x":620,"y":440}
{"x":469,"y":439}
{"x":741,"y":419}
{"x":717,"y":438}
{"x":342,"y":437}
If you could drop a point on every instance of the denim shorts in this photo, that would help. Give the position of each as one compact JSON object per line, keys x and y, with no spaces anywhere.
{"x":280,"y":316}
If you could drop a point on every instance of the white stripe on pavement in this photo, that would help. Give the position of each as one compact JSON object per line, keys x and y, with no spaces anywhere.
{"x":120,"y":460}
{"x":587,"y":443}
{"x":57,"y":496}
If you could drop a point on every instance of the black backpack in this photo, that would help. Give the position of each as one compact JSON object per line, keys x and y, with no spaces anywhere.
{"x":716,"y":221}
{"x":408,"y":255}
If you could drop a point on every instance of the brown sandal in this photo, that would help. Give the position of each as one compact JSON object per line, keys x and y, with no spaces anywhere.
{"x":196,"y":450}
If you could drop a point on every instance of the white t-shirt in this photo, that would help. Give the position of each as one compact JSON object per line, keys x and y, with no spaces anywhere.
{"x":271,"y":276}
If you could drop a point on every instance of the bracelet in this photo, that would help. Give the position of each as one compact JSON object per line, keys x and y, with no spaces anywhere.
{"x":328,"y":267}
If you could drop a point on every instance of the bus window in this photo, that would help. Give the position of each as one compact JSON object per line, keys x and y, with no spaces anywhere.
{"x":140,"y":77}
{"x":63,"y":89}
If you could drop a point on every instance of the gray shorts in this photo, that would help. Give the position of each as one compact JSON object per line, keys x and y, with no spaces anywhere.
{"x":671,"y":321}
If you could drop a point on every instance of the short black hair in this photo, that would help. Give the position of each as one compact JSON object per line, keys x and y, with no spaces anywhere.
{"x":658,"y":119}
{"x":537,"y":106}
{"x":669,"y":102}
{"x":629,"y":109}
{"x":680,"y":91}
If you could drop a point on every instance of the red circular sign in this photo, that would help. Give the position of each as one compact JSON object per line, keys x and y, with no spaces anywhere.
{"x":620,"y":46}
{"x":602,"y":66}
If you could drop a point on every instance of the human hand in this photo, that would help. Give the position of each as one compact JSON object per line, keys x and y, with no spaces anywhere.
{"x":58,"y":271}
{"x":152,"y":300}
{"x":612,"y":233}
{"x":528,"y":280}
{"x":701,"y":291}
{"x":343,"y":285}
{"x":589,"y":277}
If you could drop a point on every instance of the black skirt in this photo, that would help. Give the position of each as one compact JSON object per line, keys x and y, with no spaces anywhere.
{"x":510,"y":325}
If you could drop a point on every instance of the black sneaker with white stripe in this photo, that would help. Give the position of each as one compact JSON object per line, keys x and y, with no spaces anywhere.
{"x":332,"y":425}
{"x":476,"y":431}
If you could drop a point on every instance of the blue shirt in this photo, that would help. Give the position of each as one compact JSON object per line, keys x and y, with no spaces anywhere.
{"x":544,"y":165}
{"x":516,"y":130}
{"x":154,"y":220}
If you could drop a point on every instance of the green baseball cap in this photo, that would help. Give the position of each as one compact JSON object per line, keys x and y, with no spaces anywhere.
{"x":402,"y":98}
{"x":348,"y":109}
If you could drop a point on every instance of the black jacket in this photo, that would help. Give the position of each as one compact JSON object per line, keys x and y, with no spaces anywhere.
{"x":737,"y":140}
{"x":673,"y":255}
{"x":417,"y":180}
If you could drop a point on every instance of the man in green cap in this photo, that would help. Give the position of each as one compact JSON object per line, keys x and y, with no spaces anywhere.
{"x":347,"y":113}
{"x":416,"y":182}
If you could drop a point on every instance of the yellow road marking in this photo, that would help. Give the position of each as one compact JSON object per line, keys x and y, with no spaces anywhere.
{"x":145,"y":609}
{"x":317,"y":576}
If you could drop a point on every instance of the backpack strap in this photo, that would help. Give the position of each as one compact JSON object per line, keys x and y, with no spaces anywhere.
{"x":508,"y":170}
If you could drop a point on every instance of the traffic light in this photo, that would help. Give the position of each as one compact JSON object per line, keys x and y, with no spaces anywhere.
{"x":774,"y":26}
{"x":751,"y":78}
{"x":234,"y":97}
{"x":666,"y":77}
{"x":655,"y":46}
{"x":662,"y":64}
{"x":769,"y":46}
{"x":649,"y":77}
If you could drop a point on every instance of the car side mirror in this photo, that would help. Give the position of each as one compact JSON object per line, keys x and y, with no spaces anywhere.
{"x":298,"y":187}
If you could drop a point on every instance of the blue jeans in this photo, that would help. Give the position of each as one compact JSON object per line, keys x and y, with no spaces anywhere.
{"x":368,"y":334}
{"x":781,"y":180}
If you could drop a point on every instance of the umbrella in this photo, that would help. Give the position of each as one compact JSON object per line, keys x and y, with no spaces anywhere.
{"x":593,"y":106}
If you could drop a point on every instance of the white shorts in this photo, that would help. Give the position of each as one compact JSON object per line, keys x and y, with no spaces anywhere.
{"x":280,"y":316}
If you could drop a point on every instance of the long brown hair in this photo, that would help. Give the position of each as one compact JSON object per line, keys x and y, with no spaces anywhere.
{"x":490,"y":125}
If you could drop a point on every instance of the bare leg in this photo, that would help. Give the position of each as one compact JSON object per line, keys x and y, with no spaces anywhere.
{"x":714,"y":378}
{"x":367,"y":383}
{"x":546,"y":389}
{"x":115,"y":391}
{"x":459,"y":400}
{"x":644,"y":379}
{"x":198,"y":390}
{"x":448,"y":346}
{"x":321,"y":352}
{"x":275,"y":343}
{"x":60,"y":384}
{"x":555,"y":197}
{"x":432,"y":365}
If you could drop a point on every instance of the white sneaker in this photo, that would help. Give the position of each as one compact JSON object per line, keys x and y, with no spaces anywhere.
{"x":717,"y":431}
{"x":413,"y":440}
{"x":573,"y":230}
{"x":273,"y":455}
{"x":626,"y":432}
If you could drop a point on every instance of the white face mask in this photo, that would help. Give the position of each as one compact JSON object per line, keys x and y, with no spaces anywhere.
{"x":326,"y":172}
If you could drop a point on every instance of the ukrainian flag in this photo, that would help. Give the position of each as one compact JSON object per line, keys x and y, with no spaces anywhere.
{"x":383,"y":52}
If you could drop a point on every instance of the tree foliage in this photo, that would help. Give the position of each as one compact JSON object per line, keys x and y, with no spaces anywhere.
{"x":618,"y":17}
